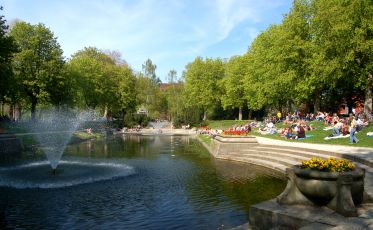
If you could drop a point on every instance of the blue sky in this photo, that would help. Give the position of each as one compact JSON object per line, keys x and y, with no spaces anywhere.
{"x":169,"y":32}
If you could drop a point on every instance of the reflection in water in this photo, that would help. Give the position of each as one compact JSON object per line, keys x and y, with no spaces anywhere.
{"x":241,"y":171}
{"x":175,"y":185}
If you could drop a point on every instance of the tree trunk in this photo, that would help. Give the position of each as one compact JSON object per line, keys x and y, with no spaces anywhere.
{"x":106,"y":112}
{"x":205,"y":115}
{"x":316,"y":105}
{"x":17,"y":112}
{"x":13,"y":112}
{"x":33,"y":108}
{"x":240,"y":113}
{"x":250,"y":114}
{"x":290,"y":105}
{"x":368,"y":98}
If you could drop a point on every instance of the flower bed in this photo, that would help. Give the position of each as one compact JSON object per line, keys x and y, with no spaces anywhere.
{"x":328,"y":165}
{"x":235,"y":132}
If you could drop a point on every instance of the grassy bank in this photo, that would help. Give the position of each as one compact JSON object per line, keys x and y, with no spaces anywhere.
{"x":315,"y":136}
{"x":86,"y":136}
{"x":205,"y":139}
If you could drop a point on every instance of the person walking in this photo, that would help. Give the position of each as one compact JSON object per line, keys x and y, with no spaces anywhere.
{"x":353,"y":138}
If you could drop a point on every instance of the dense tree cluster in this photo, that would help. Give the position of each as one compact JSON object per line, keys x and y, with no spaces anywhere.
{"x":34,"y":74}
{"x":321,"y":55}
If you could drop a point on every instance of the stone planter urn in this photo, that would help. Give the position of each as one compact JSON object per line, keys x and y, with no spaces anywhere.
{"x":338,"y":191}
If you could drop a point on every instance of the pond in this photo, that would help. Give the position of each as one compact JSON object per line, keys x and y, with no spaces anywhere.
{"x":170,"y":182}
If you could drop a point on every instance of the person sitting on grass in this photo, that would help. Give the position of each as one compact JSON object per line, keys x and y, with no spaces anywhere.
{"x":345,"y":129}
{"x":301,"y":132}
{"x":337,"y":128}
{"x":335,"y":118}
{"x":360,"y":124}
{"x":287,"y":133}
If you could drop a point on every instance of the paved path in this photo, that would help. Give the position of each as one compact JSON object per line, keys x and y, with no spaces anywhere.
{"x":360,"y":152}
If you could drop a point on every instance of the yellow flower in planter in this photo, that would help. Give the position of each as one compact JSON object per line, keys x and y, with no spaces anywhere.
{"x":328,"y":165}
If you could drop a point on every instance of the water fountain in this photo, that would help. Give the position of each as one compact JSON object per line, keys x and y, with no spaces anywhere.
{"x":158,"y":125}
{"x":53,"y":132}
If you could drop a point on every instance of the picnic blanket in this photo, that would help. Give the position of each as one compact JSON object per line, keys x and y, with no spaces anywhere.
{"x":370,"y":134}
{"x":336,"y":137}
{"x":327,"y":128}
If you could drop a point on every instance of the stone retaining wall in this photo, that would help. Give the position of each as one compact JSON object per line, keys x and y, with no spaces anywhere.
{"x":10,"y":144}
{"x":229,"y":144}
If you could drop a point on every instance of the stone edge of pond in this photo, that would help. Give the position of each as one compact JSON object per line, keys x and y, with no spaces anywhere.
{"x":272,"y":215}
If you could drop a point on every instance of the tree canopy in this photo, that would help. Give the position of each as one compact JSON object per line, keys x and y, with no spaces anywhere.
{"x":7,"y":49}
{"x":38,"y":65}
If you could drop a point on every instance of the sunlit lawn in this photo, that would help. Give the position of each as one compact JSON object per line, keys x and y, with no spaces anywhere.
{"x":317,"y":135}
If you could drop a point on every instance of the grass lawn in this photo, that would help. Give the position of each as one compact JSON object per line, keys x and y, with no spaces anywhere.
{"x":84,"y":135}
{"x":318,"y":134}
{"x":205,"y":138}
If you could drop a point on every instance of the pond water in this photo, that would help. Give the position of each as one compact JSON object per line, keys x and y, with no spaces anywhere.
{"x":133,"y":182}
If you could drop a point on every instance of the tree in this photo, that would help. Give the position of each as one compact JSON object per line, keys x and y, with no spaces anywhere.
{"x":270,"y":79}
{"x":148,"y":88}
{"x":232,"y":83}
{"x":39,"y":63}
{"x":90,"y":68}
{"x":201,"y":83}
{"x":7,"y":49}
{"x":173,"y":94}
{"x":343,"y":32}
{"x":103,"y":82}
{"x":148,"y":69}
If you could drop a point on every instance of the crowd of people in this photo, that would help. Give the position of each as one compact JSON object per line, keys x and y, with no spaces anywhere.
{"x":297,"y":125}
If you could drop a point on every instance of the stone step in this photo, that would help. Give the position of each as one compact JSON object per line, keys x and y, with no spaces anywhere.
{"x":301,"y":151}
{"x":278,"y":159}
{"x":287,"y":155}
{"x":265,"y":163}
{"x":318,"y":153}
{"x":273,"y":159}
{"x":291,"y":148}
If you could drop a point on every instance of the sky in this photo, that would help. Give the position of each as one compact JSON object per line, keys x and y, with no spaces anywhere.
{"x":172,"y":33}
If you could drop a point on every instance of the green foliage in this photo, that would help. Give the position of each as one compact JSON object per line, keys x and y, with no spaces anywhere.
{"x":102,"y":83}
{"x":205,"y":139}
{"x":132,"y":120}
{"x":232,"y":84}
{"x":86,"y":136}
{"x":201,"y":83}
{"x":148,"y":69}
{"x":38,"y":66}
{"x":149,"y":93}
{"x":7,"y":48}
{"x":321,"y":51}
